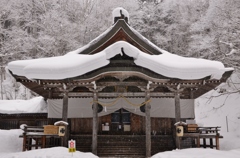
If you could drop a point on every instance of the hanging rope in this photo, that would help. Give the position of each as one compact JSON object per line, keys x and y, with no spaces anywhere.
{"x":136,"y":104}
{"x":110,"y":104}
{"x":114,"y":102}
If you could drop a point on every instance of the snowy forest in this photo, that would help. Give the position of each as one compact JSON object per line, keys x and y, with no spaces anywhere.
{"x":29,"y":29}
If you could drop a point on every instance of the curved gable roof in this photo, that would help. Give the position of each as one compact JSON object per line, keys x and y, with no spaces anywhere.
{"x":102,"y":55}
{"x":120,"y":31}
{"x":72,"y":65}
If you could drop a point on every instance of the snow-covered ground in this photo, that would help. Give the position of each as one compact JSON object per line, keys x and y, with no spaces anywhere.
{"x":56,"y":152}
{"x":221,"y":111}
{"x":198,"y":153}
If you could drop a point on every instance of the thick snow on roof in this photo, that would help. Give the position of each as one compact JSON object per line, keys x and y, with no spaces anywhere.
{"x":58,"y":67}
{"x":73,"y":65}
{"x":35,"y":105}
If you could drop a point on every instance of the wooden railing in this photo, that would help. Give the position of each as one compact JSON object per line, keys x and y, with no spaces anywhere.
{"x":42,"y":140}
{"x":210,"y":133}
{"x":204,"y":133}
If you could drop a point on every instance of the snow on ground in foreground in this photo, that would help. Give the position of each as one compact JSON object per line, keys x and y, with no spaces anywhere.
{"x":56,"y":152}
{"x":11,"y":147}
{"x":198,"y":153}
{"x":10,"y":141}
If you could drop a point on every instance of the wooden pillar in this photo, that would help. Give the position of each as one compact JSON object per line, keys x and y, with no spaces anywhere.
{"x":65,"y":107}
{"x":198,"y":141}
{"x":148,"y":125}
{"x":211,"y":143}
{"x":43,"y":142}
{"x":24,"y":141}
{"x":177,"y":116}
{"x":50,"y":93}
{"x":29,"y":143}
{"x":217,"y":141}
{"x":95,"y":123}
{"x":64,"y":117}
{"x":177,"y":107}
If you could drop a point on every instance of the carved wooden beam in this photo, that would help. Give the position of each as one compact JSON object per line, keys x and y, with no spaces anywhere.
{"x":121,"y":84}
{"x":112,"y":95}
{"x":176,"y":88}
{"x":122,"y":75}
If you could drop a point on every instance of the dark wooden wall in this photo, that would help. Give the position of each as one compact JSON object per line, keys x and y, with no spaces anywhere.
{"x":162,"y":126}
{"x":81,"y":126}
{"x":84,"y":125}
{"x":137,"y":124}
{"x":13,"y":121}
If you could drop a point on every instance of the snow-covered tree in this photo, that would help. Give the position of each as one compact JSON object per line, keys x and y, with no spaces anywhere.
{"x":198,"y":28}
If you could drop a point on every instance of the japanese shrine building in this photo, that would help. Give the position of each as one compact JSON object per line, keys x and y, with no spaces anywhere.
{"x":121,"y":84}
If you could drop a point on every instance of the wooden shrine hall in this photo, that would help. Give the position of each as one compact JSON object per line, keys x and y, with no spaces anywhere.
{"x":120,"y":89}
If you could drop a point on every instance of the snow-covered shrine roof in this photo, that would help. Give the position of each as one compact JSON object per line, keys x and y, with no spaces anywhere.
{"x":73,"y":64}
{"x":98,"y":53}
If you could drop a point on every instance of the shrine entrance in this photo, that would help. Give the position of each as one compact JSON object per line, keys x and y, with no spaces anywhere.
{"x":121,"y":122}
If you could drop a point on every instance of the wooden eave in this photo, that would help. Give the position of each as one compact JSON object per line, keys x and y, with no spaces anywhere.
{"x":53,"y":88}
{"x":120,"y":32}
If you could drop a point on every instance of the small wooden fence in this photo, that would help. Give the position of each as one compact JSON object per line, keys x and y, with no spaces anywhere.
{"x":205,"y":136}
{"x":34,"y":137}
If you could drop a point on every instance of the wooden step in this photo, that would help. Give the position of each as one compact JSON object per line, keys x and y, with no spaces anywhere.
{"x":127,"y":146}
{"x":121,"y":146}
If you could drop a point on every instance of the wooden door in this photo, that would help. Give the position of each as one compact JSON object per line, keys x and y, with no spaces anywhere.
{"x":121,"y":122}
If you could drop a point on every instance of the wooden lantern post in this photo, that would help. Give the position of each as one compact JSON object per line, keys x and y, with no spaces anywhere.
{"x":177,"y":91}
{"x":65,"y":116}
{"x":177,"y":116}
{"x":95,"y":123}
{"x":177,"y":107}
{"x":148,"y":125}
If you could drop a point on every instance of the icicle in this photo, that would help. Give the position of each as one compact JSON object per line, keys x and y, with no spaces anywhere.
{"x":94,"y":85}
{"x":64,"y":86}
{"x":204,"y":82}
{"x":121,"y":53}
{"x":105,"y":108}
{"x":178,"y":86}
